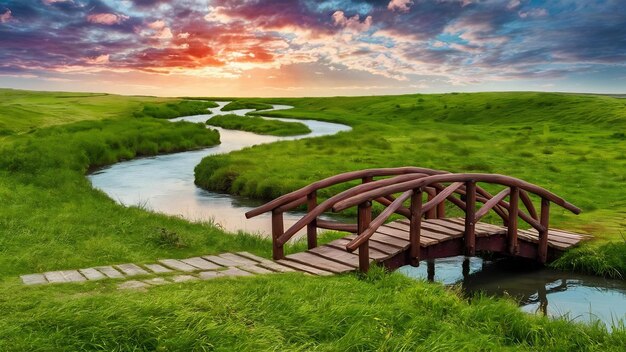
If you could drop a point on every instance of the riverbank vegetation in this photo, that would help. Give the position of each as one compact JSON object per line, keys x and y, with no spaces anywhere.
{"x":52,"y":219}
{"x":570,"y":144}
{"x":259,"y":125}
{"x":246,"y":104}
{"x":172,"y":109}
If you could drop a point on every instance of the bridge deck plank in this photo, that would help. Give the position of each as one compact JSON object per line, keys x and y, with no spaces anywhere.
{"x":389,"y":231}
{"x":319,"y":262}
{"x":433,"y":227}
{"x":428,"y":236}
{"x":392,"y":240}
{"x":337,"y":255}
{"x":374,"y":253}
{"x":303,"y":267}
{"x":379,"y":246}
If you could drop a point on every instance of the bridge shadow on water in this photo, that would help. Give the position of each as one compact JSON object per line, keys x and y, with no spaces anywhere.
{"x":534,"y":287}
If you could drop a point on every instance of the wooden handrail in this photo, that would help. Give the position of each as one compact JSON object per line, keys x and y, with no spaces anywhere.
{"x":333,"y":180}
{"x":376,"y":223}
{"x":327,"y":204}
{"x":428,"y":180}
{"x":404,"y":211}
{"x":336,"y":226}
{"x":442,"y":196}
{"x":528,"y":203}
{"x":491,"y":203}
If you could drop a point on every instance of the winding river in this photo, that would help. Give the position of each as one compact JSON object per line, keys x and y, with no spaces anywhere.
{"x":165,"y":184}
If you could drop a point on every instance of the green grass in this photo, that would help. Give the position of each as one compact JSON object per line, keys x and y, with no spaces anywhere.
{"x":168,"y":110}
{"x":570,"y":144}
{"x":52,"y":219}
{"x":246,"y":104}
{"x":290,"y":312}
{"x":259,"y":125}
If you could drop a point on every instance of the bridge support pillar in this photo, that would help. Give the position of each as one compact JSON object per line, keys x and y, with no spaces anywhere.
{"x":311,"y":228}
{"x":415,"y":227}
{"x":512,"y":223}
{"x":543,"y":235}
{"x":277,"y":231}
{"x":470,"y":218}
{"x":431,"y":270}
{"x":363,"y":222}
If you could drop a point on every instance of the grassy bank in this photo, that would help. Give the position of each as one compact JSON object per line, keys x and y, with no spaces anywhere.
{"x":51,"y":219}
{"x":572,"y":145}
{"x":259,"y":125}
{"x":246,"y":104}
{"x":169,"y":110}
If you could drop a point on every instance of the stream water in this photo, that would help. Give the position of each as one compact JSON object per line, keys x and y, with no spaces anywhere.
{"x":165,"y":184}
{"x":537,"y":289}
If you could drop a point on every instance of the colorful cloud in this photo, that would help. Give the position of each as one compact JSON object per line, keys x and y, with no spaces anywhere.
{"x":415,"y":43}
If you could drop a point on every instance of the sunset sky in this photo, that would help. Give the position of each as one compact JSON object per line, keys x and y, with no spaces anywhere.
{"x":312,"y":48}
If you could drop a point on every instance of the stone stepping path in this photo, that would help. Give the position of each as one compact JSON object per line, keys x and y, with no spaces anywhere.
{"x":175,"y":270}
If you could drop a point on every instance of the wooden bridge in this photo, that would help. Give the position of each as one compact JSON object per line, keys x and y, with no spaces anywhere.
{"x":423,"y":232}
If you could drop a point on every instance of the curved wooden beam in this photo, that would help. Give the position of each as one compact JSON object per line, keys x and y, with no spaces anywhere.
{"x":333,"y":180}
{"x":443,"y":195}
{"x":425,"y":181}
{"x":327,"y":204}
{"x":376,"y":223}
{"x":491,"y":203}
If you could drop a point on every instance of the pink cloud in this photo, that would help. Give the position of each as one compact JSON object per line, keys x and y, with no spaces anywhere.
{"x":353,"y":23}
{"x":160,"y":30}
{"x":400,"y":5}
{"x":6,"y":17}
{"x":108,"y":19}
{"x":158,"y":24}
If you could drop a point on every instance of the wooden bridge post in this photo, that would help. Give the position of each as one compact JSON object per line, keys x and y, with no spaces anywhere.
{"x":415,"y":226}
{"x":512,"y":223}
{"x":470,"y":215}
{"x":543,"y":235}
{"x":441,"y":208}
{"x":430,"y":270}
{"x":311,"y":228}
{"x":363,"y":222}
{"x":277,"y":230}
{"x":432,"y":212}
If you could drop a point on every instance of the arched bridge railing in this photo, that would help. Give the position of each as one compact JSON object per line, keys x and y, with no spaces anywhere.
{"x":412,"y":185}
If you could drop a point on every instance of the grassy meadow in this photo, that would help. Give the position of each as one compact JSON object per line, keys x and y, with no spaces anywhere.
{"x":52,"y":219}
{"x":259,"y":125}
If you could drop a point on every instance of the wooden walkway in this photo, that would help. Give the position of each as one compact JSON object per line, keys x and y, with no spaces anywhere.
{"x":421,"y":196}
{"x":389,"y":244}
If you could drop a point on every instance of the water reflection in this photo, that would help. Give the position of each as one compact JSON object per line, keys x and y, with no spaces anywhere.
{"x":538,"y":289}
